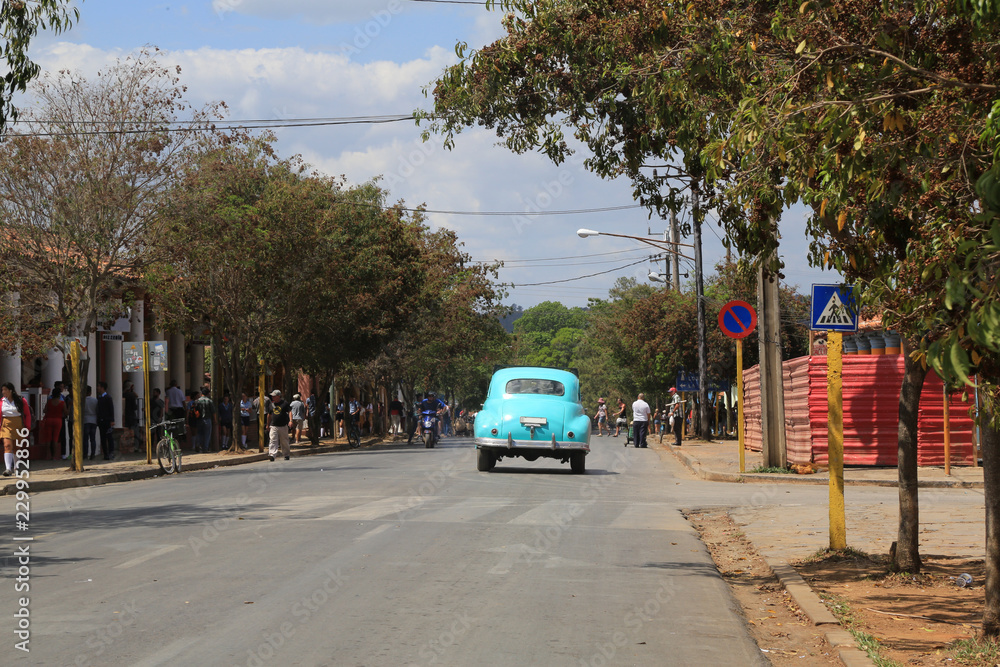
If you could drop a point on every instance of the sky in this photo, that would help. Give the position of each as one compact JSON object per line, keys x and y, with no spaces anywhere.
{"x":295,"y":59}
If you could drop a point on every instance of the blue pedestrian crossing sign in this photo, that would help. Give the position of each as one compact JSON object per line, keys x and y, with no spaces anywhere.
{"x":834,"y":308}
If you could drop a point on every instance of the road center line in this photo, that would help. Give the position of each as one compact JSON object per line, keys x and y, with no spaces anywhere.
{"x":152,"y":554}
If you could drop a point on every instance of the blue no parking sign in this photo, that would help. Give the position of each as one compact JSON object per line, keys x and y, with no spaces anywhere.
{"x":737,"y":319}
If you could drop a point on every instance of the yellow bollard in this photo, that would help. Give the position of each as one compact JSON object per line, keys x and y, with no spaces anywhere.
{"x":739,"y":404}
{"x":835,"y":439}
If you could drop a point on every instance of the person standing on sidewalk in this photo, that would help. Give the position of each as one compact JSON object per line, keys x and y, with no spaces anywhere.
{"x":106,"y":421}
{"x":225,"y":421}
{"x":278,"y":418}
{"x":298,"y":413}
{"x":640,"y":420}
{"x":51,"y":423}
{"x":200,"y":414}
{"x":175,"y":401}
{"x":395,"y":415}
{"x":676,"y":416}
{"x":246,"y":409}
{"x":12,"y":420}
{"x":90,"y":424}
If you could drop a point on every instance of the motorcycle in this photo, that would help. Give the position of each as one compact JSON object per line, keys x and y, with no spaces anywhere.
{"x":429,"y":422}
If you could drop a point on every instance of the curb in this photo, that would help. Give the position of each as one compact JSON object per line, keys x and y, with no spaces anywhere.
{"x":812,"y":606}
{"x":97,"y":479}
{"x":695,"y":466}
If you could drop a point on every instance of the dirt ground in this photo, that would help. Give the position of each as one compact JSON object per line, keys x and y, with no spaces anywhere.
{"x":914,"y":618}
{"x":783,"y":633}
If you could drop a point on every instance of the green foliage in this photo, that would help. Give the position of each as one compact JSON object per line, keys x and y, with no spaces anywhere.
{"x":21,"y":22}
{"x":549,"y":317}
{"x":772,"y":469}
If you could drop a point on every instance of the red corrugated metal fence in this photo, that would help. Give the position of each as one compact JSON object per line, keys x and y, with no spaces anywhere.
{"x":871,"y":387}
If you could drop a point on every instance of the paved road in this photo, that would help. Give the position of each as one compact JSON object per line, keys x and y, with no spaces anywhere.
{"x":383,"y":556}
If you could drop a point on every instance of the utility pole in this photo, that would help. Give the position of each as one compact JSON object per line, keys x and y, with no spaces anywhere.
{"x":771,"y":379}
{"x":675,"y":236}
{"x":700,"y":295}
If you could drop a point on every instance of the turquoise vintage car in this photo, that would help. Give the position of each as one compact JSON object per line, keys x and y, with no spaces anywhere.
{"x":533,"y":412}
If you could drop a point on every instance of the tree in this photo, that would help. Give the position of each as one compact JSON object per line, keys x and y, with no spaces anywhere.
{"x":549,"y":317}
{"x":278,"y":263}
{"x":81,"y":185}
{"x":453,"y":336}
{"x":21,"y":21}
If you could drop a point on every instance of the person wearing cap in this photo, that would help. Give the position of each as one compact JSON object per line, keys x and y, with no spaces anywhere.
{"x":278,"y":418}
{"x":602,"y":416}
{"x":298,"y":413}
{"x":640,"y":420}
{"x":676,"y":415}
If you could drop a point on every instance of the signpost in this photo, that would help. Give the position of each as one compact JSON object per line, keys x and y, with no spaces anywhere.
{"x":738,"y":319}
{"x":834,"y":311}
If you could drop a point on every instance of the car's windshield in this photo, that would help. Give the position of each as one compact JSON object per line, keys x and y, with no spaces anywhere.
{"x":529,"y":386}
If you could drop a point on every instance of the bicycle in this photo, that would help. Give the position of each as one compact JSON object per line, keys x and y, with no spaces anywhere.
{"x":168,"y":450}
{"x":354,"y":435}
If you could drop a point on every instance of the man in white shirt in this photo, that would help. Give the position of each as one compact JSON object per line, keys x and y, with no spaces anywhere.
{"x":640,"y":420}
{"x":175,"y":401}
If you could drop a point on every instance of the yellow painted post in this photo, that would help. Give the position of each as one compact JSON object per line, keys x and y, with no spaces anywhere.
{"x":260,"y":412}
{"x":947,"y":433}
{"x":739,"y":405}
{"x":835,"y":439}
{"x":145,"y":384}
{"x":74,"y":362}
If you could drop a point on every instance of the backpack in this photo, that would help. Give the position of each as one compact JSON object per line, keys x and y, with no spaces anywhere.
{"x":196,"y":409}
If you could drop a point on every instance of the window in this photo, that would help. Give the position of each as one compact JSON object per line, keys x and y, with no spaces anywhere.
{"x":528,"y":386}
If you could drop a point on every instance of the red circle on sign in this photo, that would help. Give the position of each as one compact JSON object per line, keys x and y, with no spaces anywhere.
{"x":737,"y":319}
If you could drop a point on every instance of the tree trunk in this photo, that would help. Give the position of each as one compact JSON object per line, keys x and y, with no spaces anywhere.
{"x":991,"y":478}
{"x":907,"y":555}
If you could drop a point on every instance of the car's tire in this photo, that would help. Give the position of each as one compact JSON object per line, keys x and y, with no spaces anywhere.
{"x":578,"y":462}
{"x":485,"y":461}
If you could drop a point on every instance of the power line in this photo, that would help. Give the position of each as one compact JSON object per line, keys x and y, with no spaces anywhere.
{"x":542,"y":266}
{"x":589,"y":275}
{"x":549,"y":259}
{"x":211,"y":126}
{"x":578,"y":211}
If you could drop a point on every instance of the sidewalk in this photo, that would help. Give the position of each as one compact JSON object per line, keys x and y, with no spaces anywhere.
{"x":952,"y":510}
{"x":784,"y":527}
{"x":54,"y":475}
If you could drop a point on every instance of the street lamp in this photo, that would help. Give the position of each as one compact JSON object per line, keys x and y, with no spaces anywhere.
{"x":659,"y":245}
{"x":672,"y":247}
